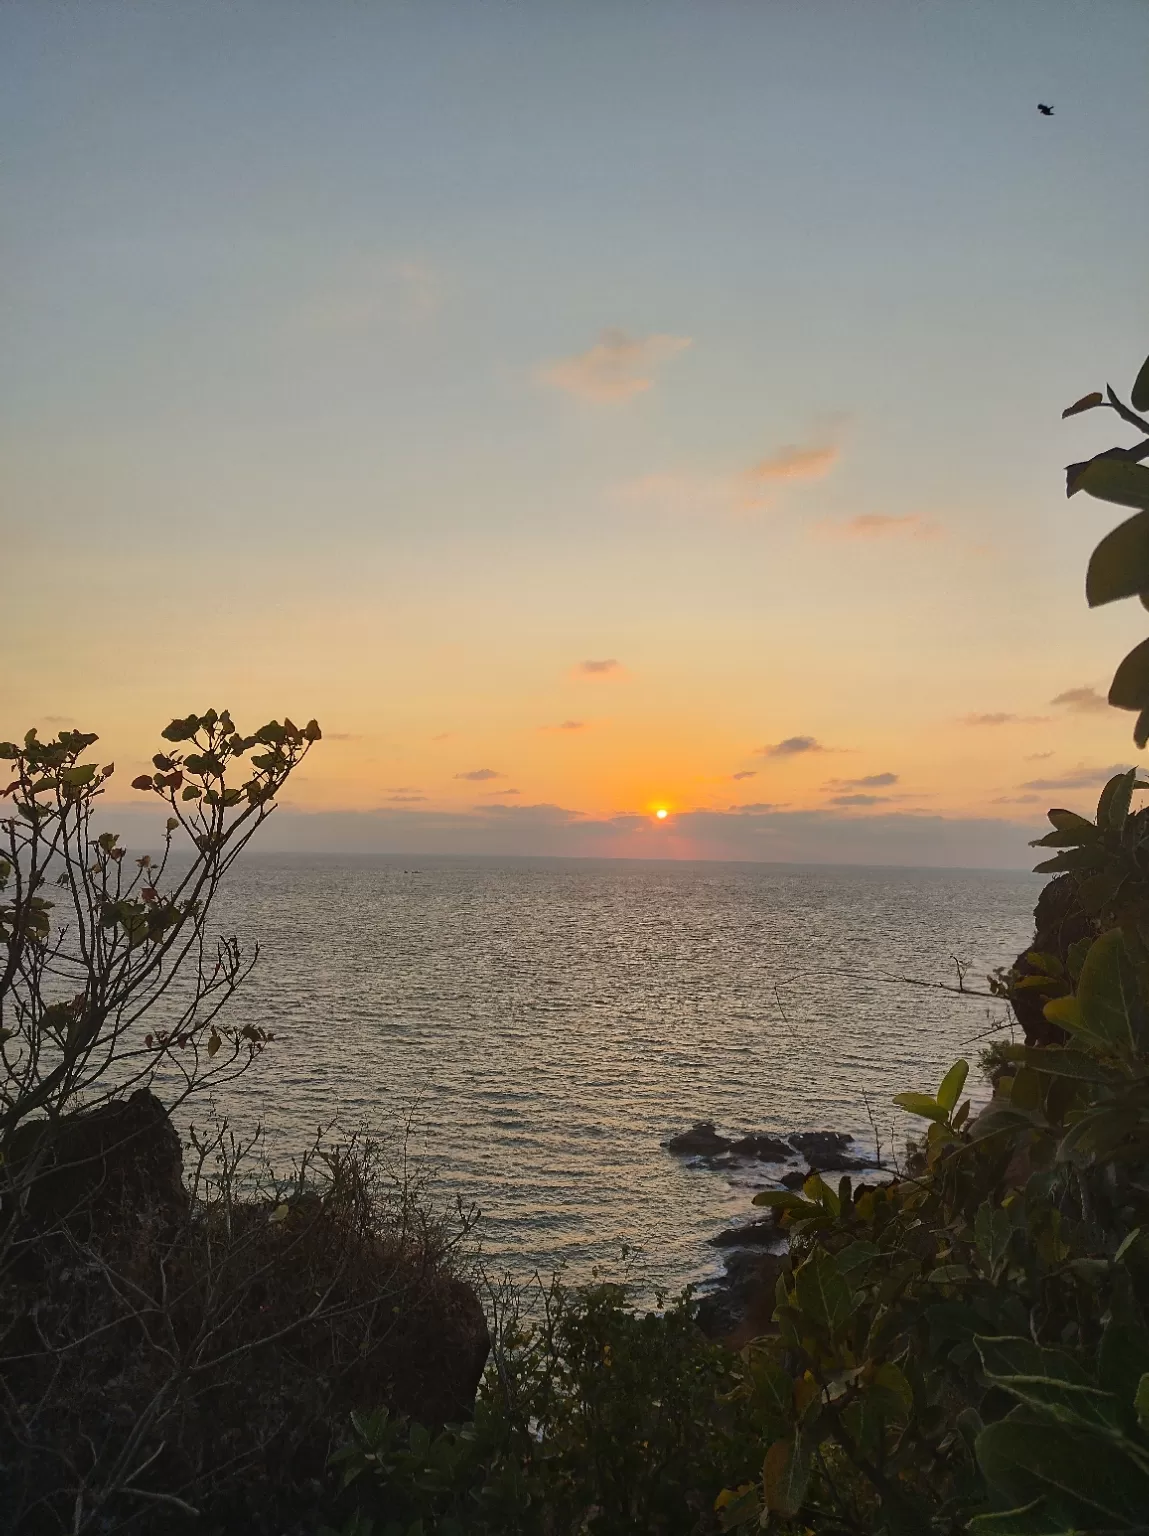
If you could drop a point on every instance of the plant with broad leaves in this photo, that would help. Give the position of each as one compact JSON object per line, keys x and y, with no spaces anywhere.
{"x":1119,"y":566}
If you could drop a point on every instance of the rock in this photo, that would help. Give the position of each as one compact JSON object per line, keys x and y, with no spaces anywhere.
{"x":820,"y":1144}
{"x":753,"y":1234}
{"x":796,"y":1179}
{"x":1059,"y":920}
{"x":99,"y":1168}
{"x":767,"y":1149}
{"x":700,"y":1140}
{"x":838,"y":1164}
{"x":741,"y":1305}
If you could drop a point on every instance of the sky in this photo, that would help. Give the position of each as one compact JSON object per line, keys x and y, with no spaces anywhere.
{"x":583,"y":410}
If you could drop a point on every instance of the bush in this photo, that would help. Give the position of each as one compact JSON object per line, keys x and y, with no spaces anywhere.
{"x":180,"y":1339}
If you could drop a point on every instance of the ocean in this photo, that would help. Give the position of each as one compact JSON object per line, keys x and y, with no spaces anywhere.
{"x":535,"y":1030}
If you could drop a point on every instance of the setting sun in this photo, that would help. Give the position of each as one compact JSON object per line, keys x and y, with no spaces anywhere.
{"x":661,"y":814}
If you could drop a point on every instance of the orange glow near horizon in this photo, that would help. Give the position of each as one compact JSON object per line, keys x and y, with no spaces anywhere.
{"x":661,"y":814}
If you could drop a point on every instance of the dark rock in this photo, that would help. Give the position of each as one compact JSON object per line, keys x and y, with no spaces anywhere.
{"x":99,"y":1168}
{"x":820,"y":1144}
{"x":838,"y":1163}
{"x":796,"y":1179}
{"x":701,"y":1139}
{"x":1059,"y":920}
{"x":767,"y":1149}
{"x":754,"y":1234}
{"x":741,"y":1305}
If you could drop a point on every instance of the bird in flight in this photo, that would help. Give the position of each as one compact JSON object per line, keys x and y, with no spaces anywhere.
{"x":1044,"y":110}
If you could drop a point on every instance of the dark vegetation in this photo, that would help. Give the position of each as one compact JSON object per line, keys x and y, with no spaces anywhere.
{"x":188,"y":1342}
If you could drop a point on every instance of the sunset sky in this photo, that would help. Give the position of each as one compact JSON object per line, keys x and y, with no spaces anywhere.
{"x":581,"y":408}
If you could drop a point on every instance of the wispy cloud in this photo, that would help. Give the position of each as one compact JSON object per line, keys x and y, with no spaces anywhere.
{"x":747,"y":773}
{"x":868,"y":781}
{"x":481,"y":775}
{"x":505,"y":791}
{"x":566,"y":725}
{"x":1038,"y":757}
{"x":792,"y":746}
{"x":1082,"y":701}
{"x":405,"y":799}
{"x":1002,"y":718}
{"x":615,"y":369}
{"x":608,"y":668}
{"x":1078,"y":778}
{"x":755,"y":808}
{"x":1014,"y":799}
{"x":730,"y":493}
{"x":794,"y":462}
{"x":859,"y":800}
{"x":876,"y":525}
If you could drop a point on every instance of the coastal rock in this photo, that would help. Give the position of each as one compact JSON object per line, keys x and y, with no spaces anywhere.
{"x":767,"y":1149}
{"x":700,"y":1140}
{"x":753,"y":1234}
{"x":741,"y":1305}
{"x":99,"y":1168}
{"x":820,"y":1144}
{"x":1059,"y":920}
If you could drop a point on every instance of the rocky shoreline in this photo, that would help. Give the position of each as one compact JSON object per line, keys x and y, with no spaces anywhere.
{"x":738,"y":1305}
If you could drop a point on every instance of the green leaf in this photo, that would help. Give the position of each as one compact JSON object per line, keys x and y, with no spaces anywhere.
{"x":1048,"y":1380}
{"x":855,"y":1261}
{"x":992,"y":1234}
{"x":1086,"y":403}
{"x":1085,"y":1479}
{"x":1130,"y":686}
{"x":952,"y":1084}
{"x":1141,"y":1401}
{"x":921,"y":1104}
{"x":1108,"y":999}
{"x":1069,"y":821}
{"x":822,"y":1293}
{"x":1114,"y":801}
{"x":1119,"y":566}
{"x":1061,"y":1061}
{"x":1116,"y":480}
{"x":786,"y":1475}
{"x":1140,"y":395}
{"x":1027,"y":1520}
{"x":784,"y":1200}
{"x":773,"y":1391}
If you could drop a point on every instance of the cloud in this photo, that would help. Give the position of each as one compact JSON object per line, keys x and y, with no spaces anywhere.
{"x":443,"y":736}
{"x":793,"y":746}
{"x":1037,"y":757}
{"x":1005,"y":719}
{"x":875,"y":525}
{"x":793,"y":462}
{"x":732,"y":493}
{"x":1079,"y":778}
{"x":505,"y":791}
{"x":858,"y":800}
{"x":615,"y":369}
{"x":756,"y":807}
{"x":869,"y":781}
{"x":1082,"y":701}
{"x":480,"y":775}
{"x":747,"y":773}
{"x":1014,"y":799}
{"x":605,"y":668}
{"x":829,"y":835}
{"x":341,"y":736}
{"x":566,"y":725}
{"x":405,"y":799}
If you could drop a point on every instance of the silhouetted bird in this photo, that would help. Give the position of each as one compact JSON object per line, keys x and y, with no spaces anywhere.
{"x":1044,"y":110}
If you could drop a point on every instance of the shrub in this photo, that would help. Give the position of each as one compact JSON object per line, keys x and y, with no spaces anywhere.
{"x":179,"y":1340}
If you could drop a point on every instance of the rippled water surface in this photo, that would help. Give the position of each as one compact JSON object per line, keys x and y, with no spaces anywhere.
{"x":551,"y":1023}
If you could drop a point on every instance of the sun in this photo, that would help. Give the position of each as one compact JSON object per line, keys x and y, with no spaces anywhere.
{"x":661,"y":814}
